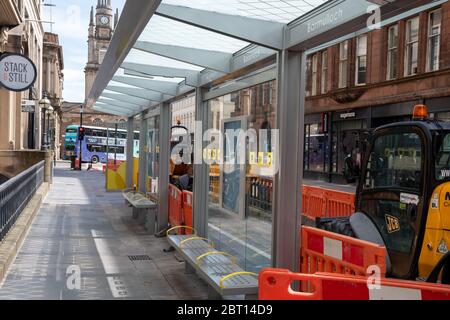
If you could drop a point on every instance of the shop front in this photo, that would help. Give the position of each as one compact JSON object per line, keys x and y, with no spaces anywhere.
{"x":334,"y":150}
{"x":331,"y":141}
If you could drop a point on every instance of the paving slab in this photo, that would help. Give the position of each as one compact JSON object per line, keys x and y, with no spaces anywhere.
{"x":81,"y":246}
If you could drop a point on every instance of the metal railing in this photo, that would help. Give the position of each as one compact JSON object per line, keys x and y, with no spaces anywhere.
{"x":15,"y":195}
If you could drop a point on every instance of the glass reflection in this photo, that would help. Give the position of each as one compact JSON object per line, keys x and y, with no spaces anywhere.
{"x":153,"y":155}
{"x":241,"y":193}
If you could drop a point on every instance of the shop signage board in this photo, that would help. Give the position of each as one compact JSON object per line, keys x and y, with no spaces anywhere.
{"x":325,"y":18}
{"x":17,"y":72}
{"x":348,"y":115}
{"x":28,"y":106}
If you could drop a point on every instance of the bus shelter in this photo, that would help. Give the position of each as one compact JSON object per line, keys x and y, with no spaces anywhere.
{"x":245,"y":62}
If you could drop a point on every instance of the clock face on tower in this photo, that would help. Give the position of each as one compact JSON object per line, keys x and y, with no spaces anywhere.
{"x":104,"y":20}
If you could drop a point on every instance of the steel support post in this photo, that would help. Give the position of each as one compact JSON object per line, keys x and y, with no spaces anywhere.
{"x":130,"y":153}
{"x":201,"y":175}
{"x":143,"y":155}
{"x":164,"y":158}
{"x":288,"y":182}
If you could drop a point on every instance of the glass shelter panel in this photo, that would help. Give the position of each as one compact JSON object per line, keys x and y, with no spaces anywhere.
{"x":153,"y":155}
{"x":274,"y":10}
{"x":242,"y":144}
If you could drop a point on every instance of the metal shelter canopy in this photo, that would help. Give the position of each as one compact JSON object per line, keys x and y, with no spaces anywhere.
{"x":196,"y":42}
{"x":283,"y":11}
{"x":190,"y":44}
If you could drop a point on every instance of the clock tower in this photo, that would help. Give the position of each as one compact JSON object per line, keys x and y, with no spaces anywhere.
{"x":101,"y":30}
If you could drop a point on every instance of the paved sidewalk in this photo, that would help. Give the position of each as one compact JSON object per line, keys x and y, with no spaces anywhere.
{"x":81,"y":227}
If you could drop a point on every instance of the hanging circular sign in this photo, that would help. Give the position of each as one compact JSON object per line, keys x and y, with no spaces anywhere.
{"x":17,"y":72}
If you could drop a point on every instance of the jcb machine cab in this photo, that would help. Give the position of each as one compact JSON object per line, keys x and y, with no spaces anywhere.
{"x":403,"y":197}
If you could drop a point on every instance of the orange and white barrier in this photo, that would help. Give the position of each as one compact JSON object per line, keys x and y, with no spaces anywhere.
{"x":188,"y":200}
{"x":176,"y":207}
{"x":324,"y":251}
{"x":276,"y":284}
{"x":325,"y":203}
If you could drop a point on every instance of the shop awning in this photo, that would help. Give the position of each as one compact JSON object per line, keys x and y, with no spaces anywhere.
{"x":164,"y":49}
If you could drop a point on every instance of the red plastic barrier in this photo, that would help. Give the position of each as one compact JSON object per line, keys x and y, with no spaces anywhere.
{"x":325,"y":203}
{"x":175,"y":207}
{"x":188,"y":200}
{"x":339,"y":204}
{"x":316,"y":202}
{"x":324,"y":251}
{"x":275,"y":284}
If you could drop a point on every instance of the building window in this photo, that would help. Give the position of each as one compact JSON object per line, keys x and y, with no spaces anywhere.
{"x":314,"y":75}
{"x":361,"y":60}
{"x":102,"y":53}
{"x":324,"y":77}
{"x":392,"y":52}
{"x":343,"y":64}
{"x":308,"y":76}
{"x":97,"y":122}
{"x":316,"y":148}
{"x":443,"y":116}
{"x":434,"y":40}
{"x":412,"y":47}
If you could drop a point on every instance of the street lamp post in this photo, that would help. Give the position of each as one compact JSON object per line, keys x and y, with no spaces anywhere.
{"x":49,"y":113}
{"x":45,"y":105}
{"x":81,"y":142}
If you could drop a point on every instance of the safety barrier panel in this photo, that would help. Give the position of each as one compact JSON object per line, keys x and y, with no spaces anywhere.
{"x":275,"y":284}
{"x":176,"y":207}
{"x":188,"y":198}
{"x":324,"y":251}
{"x":316,"y":204}
{"x":325,"y":203}
{"x":110,"y":165}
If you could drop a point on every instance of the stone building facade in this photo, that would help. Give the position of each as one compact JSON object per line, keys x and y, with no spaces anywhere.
{"x":21,"y":32}
{"x":52,"y":86}
{"x":101,"y":30}
{"x":372,"y":80}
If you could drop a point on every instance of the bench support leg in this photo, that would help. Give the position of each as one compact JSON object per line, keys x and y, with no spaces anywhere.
{"x":150,"y":221}
{"x":213,"y":295}
{"x":189,"y":269}
{"x":171,"y":249}
{"x":142,"y":216}
{"x":251,"y":297}
{"x":135,"y":213}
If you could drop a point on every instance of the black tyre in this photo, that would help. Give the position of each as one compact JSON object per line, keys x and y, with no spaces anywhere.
{"x":95,"y":160}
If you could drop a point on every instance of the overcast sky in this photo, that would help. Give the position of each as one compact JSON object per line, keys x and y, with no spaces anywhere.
{"x":71,"y":20}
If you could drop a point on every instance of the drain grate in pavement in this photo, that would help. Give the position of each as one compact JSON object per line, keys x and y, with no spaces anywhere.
{"x":140,"y":258}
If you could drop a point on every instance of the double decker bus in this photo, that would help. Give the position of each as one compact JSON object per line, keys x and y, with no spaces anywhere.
{"x":99,"y":144}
